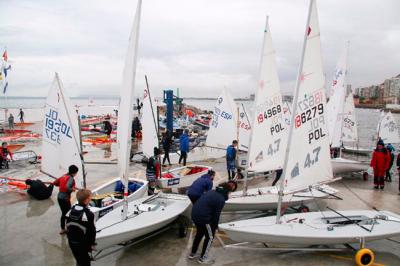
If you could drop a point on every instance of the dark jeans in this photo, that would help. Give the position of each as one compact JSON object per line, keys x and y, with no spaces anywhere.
{"x":183,"y":156}
{"x":388,"y":175}
{"x":65,"y":206}
{"x":3,"y":163}
{"x":193,"y":198}
{"x":166,"y":156}
{"x":379,"y":181}
{"x":207,"y":231}
{"x":80,"y":253}
{"x":277,"y":177}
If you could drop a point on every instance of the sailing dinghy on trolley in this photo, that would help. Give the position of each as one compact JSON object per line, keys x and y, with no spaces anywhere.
{"x":140,"y":217}
{"x":308,"y":163}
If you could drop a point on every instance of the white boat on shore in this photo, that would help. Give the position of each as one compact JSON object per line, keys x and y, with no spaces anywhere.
{"x":182,"y":176}
{"x":145,"y":216}
{"x":343,"y":166}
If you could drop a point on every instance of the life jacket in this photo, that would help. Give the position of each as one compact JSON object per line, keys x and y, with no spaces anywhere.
{"x":62,"y":183}
{"x":77,"y":224}
{"x":151,"y":166}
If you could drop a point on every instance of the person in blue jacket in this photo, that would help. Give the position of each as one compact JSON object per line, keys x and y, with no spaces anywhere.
{"x":231,"y":159}
{"x":200,"y":186}
{"x":184,"y":146}
{"x":205,"y":215}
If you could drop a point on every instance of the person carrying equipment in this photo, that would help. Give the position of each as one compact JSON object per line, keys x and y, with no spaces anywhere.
{"x":66,"y":185}
{"x":231,"y":159}
{"x":81,"y":230}
{"x":153,"y":170}
{"x":205,"y":215}
{"x":4,"y":154}
{"x":200,"y":186}
{"x":38,"y":190}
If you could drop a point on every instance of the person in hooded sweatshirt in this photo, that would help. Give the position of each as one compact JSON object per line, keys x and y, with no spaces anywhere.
{"x":205,"y":215}
{"x":200,"y":186}
{"x":38,"y":190}
{"x":380,"y":163}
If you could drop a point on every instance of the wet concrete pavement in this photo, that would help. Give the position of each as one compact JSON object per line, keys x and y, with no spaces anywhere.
{"x":29,"y":228}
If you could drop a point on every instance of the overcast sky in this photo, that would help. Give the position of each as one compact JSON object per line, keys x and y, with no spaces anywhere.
{"x":199,"y":46}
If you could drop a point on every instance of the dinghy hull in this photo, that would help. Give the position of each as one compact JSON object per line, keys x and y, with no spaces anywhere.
{"x":313,"y":229}
{"x":342,"y":166}
{"x":111,"y":230}
{"x":182,"y":177}
{"x":262,"y":199}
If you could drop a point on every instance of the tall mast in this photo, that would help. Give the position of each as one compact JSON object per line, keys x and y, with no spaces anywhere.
{"x":294,"y":110}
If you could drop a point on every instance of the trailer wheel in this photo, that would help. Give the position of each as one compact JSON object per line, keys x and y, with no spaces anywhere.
{"x":365,"y":176}
{"x":364,"y":257}
{"x":303,"y":209}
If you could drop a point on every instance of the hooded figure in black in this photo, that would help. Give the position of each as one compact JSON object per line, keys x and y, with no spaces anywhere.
{"x":38,"y":190}
{"x":205,"y":215}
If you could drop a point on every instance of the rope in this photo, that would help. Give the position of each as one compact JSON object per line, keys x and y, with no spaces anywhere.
{"x":358,"y":197}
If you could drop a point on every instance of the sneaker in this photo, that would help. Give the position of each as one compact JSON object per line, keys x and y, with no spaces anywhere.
{"x":376,"y":187}
{"x":205,"y":261}
{"x":192,"y":256}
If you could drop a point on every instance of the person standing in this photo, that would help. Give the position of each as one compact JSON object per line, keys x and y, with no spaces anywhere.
{"x":4,"y":154}
{"x":81,"y":229}
{"x":138,"y":105}
{"x":107,"y":126}
{"x":231,"y":159}
{"x":38,"y":190}
{"x":66,"y":185}
{"x":200,"y":186}
{"x":205,"y":215}
{"x":184,"y":146}
{"x":380,"y":163}
{"x":153,"y":170}
{"x":390,"y":150}
{"x":21,"y":115}
{"x":11,"y":122}
{"x":167,"y":142}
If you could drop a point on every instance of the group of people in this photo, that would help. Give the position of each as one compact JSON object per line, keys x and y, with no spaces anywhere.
{"x":11,"y":122}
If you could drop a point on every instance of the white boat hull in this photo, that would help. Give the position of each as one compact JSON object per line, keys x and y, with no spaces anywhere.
{"x":109,"y":188}
{"x":267,"y":198}
{"x":355,"y":150}
{"x":342,"y":166}
{"x":311,"y":229}
{"x":111,"y":230}
{"x":177,"y":179}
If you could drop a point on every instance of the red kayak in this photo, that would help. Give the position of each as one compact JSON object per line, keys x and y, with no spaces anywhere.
{"x":24,"y":124}
{"x":15,"y":147}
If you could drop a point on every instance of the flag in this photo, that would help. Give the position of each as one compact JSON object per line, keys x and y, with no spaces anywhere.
{"x":4,"y":72}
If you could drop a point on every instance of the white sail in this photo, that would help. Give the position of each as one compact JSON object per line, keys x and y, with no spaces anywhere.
{"x":223,"y":125}
{"x":335,"y":105}
{"x":125,"y":113}
{"x":269,"y":137}
{"x":149,"y":125}
{"x":388,"y":130}
{"x":349,"y":129}
{"x":60,"y":145}
{"x":307,"y":160}
{"x":244,"y":128}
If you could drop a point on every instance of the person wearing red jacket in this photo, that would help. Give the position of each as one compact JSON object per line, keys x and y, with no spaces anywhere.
{"x":66,"y":185}
{"x":380,"y":163}
{"x":4,"y":153}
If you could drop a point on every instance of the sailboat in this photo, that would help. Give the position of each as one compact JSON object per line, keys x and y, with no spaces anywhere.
{"x":387,"y":129}
{"x":349,"y":132}
{"x":307,"y":162}
{"x":335,"y":116}
{"x":61,"y":148}
{"x":268,"y":141}
{"x":170,"y":178}
{"x":145,"y":215}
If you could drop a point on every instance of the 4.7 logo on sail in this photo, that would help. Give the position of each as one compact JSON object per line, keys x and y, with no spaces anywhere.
{"x":54,"y":127}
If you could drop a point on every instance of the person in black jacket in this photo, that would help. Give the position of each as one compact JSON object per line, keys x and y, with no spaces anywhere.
{"x":205,"y":215}
{"x":167,"y":142}
{"x":81,"y":230}
{"x":38,"y":190}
